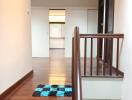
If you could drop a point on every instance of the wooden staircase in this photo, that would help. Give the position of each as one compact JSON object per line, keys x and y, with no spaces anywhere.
{"x":93,"y":74}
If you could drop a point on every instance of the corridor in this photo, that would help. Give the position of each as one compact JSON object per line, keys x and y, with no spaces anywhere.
{"x":53,"y":70}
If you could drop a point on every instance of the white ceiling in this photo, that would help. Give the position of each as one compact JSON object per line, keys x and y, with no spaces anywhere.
{"x":65,"y":3}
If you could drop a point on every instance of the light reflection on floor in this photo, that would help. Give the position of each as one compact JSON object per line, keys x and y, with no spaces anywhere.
{"x":57,"y":74}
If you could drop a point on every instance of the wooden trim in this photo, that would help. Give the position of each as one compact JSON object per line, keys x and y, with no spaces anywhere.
{"x":17,"y":84}
{"x":102,"y":76}
{"x":109,"y":35}
{"x":57,"y":9}
{"x":56,"y":22}
{"x":62,"y":38}
{"x":57,"y":48}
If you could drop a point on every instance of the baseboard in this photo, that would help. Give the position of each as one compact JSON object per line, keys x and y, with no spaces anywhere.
{"x":101,"y":99}
{"x":17,"y":84}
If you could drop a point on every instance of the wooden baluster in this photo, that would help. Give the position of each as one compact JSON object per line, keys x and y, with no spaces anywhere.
{"x":85,"y":57}
{"x":117,"y":57}
{"x":73,"y":96}
{"x":111,"y":55}
{"x":91,"y":58}
{"x":97,"y":58}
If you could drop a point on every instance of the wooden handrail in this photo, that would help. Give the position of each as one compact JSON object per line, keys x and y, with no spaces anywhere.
{"x":109,"y":35}
{"x":76,"y":70}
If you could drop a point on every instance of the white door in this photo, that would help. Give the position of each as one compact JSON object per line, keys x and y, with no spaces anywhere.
{"x":40,"y":32}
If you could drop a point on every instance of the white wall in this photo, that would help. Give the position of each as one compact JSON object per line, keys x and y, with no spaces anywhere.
{"x":123,"y":24}
{"x":75,"y":16}
{"x":40,"y":50}
{"x":57,"y":43}
{"x":63,"y":3}
{"x":101,"y":88}
{"x":15,"y":41}
{"x":86,"y":20}
{"x":40,"y":32}
{"x":92,"y":29}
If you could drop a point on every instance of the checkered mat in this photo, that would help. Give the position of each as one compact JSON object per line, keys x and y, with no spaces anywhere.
{"x":53,"y":90}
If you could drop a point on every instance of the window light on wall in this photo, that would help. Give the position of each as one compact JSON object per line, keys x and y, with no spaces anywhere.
{"x":56,"y":15}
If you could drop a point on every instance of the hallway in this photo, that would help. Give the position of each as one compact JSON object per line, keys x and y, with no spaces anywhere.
{"x":53,"y":70}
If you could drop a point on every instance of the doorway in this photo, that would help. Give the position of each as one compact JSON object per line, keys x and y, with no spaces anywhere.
{"x":57,"y":31}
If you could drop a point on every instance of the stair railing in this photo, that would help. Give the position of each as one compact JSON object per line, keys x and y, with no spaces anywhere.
{"x":107,"y":69}
{"x":76,"y":71}
{"x":99,"y":67}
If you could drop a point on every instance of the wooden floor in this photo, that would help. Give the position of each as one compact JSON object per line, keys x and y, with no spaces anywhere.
{"x":53,"y":70}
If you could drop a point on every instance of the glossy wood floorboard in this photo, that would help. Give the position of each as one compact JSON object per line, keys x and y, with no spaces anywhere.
{"x":53,"y":70}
